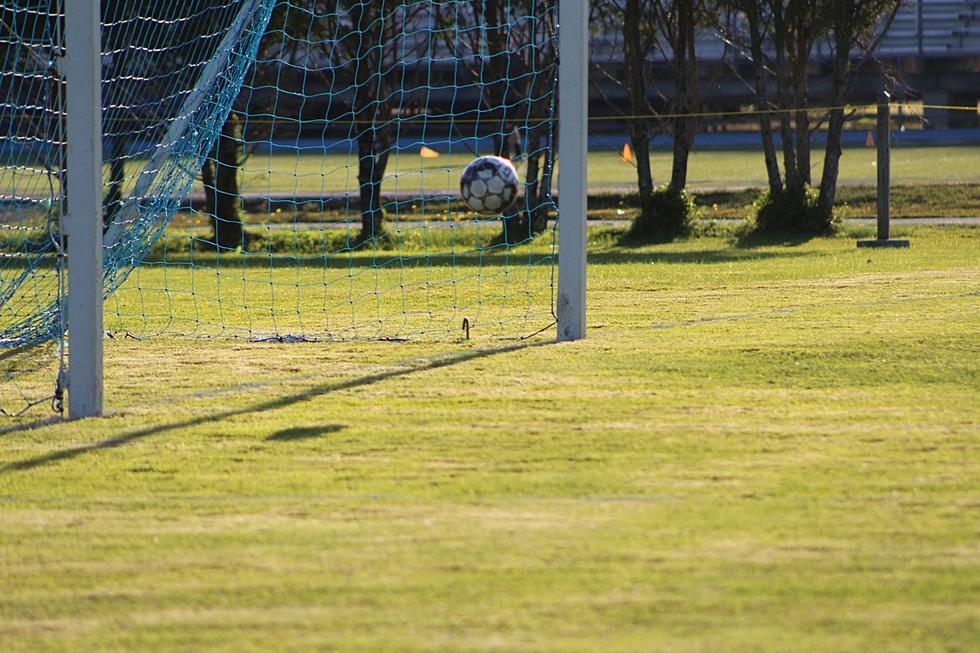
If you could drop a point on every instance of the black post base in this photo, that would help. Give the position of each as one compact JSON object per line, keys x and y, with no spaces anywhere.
{"x":897,"y":243}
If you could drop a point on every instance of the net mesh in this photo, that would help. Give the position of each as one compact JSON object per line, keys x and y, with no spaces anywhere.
{"x":287,"y":169}
{"x":327,"y":206}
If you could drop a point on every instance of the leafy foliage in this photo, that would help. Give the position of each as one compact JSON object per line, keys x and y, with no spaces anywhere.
{"x":794,"y":209}
{"x":664,"y":216}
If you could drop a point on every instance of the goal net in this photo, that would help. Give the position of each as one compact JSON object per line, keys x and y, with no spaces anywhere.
{"x":285,"y":169}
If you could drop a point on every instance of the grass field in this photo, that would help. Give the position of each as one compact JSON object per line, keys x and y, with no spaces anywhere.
{"x":769,"y":448}
{"x":284,"y":173}
{"x":709,"y":169}
{"x":914,"y":201}
{"x":311,"y":174}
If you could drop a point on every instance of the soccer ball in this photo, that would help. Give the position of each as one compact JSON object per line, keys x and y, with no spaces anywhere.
{"x":489,"y":184}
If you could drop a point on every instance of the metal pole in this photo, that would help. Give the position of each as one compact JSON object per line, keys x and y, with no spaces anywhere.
{"x":884,"y":177}
{"x":573,"y":116}
{"x":884,"y":162}
{"x":84,"y":221}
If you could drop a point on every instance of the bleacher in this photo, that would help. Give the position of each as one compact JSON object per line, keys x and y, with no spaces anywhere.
{"x":934,"y":28}
{"x":922,"y":28}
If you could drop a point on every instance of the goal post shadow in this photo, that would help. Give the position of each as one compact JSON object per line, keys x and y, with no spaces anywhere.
{"x":424,"y":364}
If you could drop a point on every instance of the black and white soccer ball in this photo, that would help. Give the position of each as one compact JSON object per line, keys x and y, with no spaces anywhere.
{"x":489,"y":184}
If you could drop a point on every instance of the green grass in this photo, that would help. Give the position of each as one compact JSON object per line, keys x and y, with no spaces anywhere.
{"x":709,"y":169}
{"x":916,"y":201}
{"x":746,"y":168}
{"x":757,"y":449}
{"x":281,"y":173}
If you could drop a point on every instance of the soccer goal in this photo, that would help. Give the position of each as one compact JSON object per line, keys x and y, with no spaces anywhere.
{"x":287,"y":170}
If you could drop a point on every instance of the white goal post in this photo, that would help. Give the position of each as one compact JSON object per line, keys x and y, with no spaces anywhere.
{"x":83,"y":224}
{"x":573,"y":147}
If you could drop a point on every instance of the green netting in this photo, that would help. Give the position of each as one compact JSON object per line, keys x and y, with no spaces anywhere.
{"x":287,"y":169}
{"x":172,"y":71}
{"x":316,"y":215}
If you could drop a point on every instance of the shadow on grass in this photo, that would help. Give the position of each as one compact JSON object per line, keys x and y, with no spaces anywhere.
{"x":383,"y":259}
{"x":33,"y":424}
{"x":753,"y":240}
{"x":305,"y":432}
{"x":704,"y":256}
{"x":627,"y":254}
{"x":272,"y":404}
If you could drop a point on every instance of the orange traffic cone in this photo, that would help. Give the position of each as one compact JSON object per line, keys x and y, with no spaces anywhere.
{"x":627,"y":154}
{"x":870,"y":140}
{"x":428,"y":153}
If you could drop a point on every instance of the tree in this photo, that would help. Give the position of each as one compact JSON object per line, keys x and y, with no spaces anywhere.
{"x":163,"y":48}
{"x":149,"y":55}
{"x":221,"y":168}
{"x":791,"y":27}
{"x":778,"y":37}
{"x":637,"y":49}
{"x":369,"y":44}
{"x":855,"y":26}
{"x":757,"y":23}
{"x":804,"y":25}
{"x":678,"y":21}
{"x":219,"y":174}
{"x":667,"y":28}
{"x":513,"y":56}
{"x":360,"y":50}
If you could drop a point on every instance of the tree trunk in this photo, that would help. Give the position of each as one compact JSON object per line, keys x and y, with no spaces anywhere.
{"x":539,"y":217}
{"x":207,"y":180}
{"x":686,"y":92}
{"x":835,"y":128}
{"x":762,"y":99}
{"x":370,"y":173}
{"x":373,"y":55}
{"x":496,"y":70}
{"x":519,"y":224}
{"x":226,"y":217}
{"x":639,"y":127}
{"x":117,"y":174}
{"x":524,"y":222}
{"x":832,"y":154}
{"x":683,"y":134}
{"x":800,"y":103}
{"x":783,"y":82}
{"x":640,"y":143}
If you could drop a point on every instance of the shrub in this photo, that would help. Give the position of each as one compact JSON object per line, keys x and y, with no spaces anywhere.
{"x":794,"y":210}
{"x":666,"y":215}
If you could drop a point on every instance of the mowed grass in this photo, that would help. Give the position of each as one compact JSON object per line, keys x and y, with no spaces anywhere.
{"x":402,"y":293}
{"x":756,"y":449}
{"x":313,"y":174}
